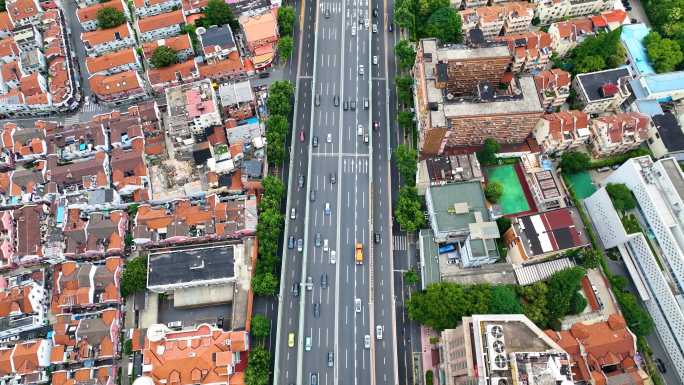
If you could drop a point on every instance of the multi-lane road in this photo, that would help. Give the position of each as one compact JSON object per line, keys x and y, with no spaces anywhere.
{"x":339,"y":56}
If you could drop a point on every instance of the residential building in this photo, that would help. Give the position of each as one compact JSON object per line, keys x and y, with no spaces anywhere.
{"x":32,"y":61}
{"x":602,"y":91}
{"x":493,"y":349}
{"x":29,"y":242}
{"x":85,"y":341}
{"x":217,"y":42}
{"x":531,"y":51}
{"x":658,"y":278}
{"x":174,"y":75}
{"x":84,"y":287}
{"x":94,"y":234}
{"x":440,"y":170}
{"x":78,"y":175}
{"x":122,"y":86}
{"x":459,"y":217}
{"x":220,"y":356}
{"x":102,"y":41}
{"x":553,"y":87}
{"x":129,"y":171}
{"x":88,"y":16}
{"x":27,"y":38}
{"x":6,"y":25}
{"x":192,"y":108}
{"x":23,"y":12}
{"x":227,"y":70}
{"x":24,"y":144}
{"x":106,"y":374}
{"x":261,"y":35}
{"x":535,"y":237}
{"x":549,"y":11}
{"x":610,"y":20}
{"x":82,"y":140}
{"x":237,"y":99}
{"x":588,"y":7}
{"x":615,"y":134}
{"x":181,"y":44}
{"x":161,"y":26}
{"x":603,"y":352}
{"x":562,"y":131}
{"x":26,"y":362}
{"x":506,"y":18}
{"x":666,"y":137}
{"x":147,"y":8}
{"x":23,"y":303}
{"x":518,"y":17}
{"x":114,"y":62}
{"x":565,"y":35}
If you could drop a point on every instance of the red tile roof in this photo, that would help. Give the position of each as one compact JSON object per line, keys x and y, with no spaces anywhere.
{"x":163,"y":20}
{"x":176,"y":43}
{"x":110,"y":60}
{"x":106,"y":85}
{"x":90,"y":13}
{"x":22,"y":9}
{"x":186,"y":70}
{"x":105,"y":35}
{"x":5,"y":22}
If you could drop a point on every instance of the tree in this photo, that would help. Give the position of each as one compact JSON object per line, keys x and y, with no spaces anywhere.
{"x":164,"y":56}
{"x":591,"y":63}
{"x":503,"y":224}
{"x":493,"y":191}
{"x":3,"y":7}
{"x":411,"y":277}
{"x":408,"y":212}
{"x":258,"y":371}
{"x":598,"y":52}
{"x":405,"y":16}
{"x":110,"y":17}
{"x":562,"y":286}
{"x":285,"y":47}
{"x":134,"y":277}
{"x":405,"y":120}
{"x":275,"y":151}
{"x":279,"y":101}
{"x":217,"y":12}
{"x":273,"y":193}
{"x":664,"y":54}
{"x":504,"y":300}
{"x":577,"y":303}
{"x":487,"y":155}
{"x":445,"y":25}
{"x":621,"y":196}
{"x":429,"y":377}
{"x":286,"y":19}
{"x":406,"y":160}
{"x":260,"y":326}
{"x":405,"y":53}
{"x":573,"y":162}
{"x":265,"y":284}
{"x":404,"y":93}
{"x":589,"y":257}
{"x":638,"y":319}
{"x":441,"y":306}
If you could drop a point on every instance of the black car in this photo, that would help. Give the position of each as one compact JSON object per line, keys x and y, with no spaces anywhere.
{"x":301,"y":181}
{"x":660,"y":365}
{"x":324,"y":281}
{"x":290,"y":242}
{"x":295,"y":290}
{"x":314,"y":141}
{"x":336,"y":101}
{"x":376,"y":237}
{"x":317,"y":310}
{"x":375,"y":12}
{"x":327,"y":13}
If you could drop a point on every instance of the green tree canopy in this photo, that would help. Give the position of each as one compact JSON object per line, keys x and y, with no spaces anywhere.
{"x":664,"y":54}
{"x":217,"y":12}
{"x":286,"y":19}
{"x":591,"y":63}
{"x":3,"y":6}
{"x":279,"y":101}
{"x":445,"y":25}
{"x":573,"y":162}
{"x":273,"y":193}
{"x":285,"y":47}
{"x":265,"y":284}
{"x":411,"y":277}
{"x":134,"y":277}
{"x":493,"y":191}
{"x":408,"y":212}
{"x":405,"y":53}
{"x":164,"y":56}
{"x":595,"y":53}
{"x":260,"y":326}
{"x":504,"y":300}
{"x":404,"y":92}
{"x":503,"y":224}
{"x":275,"y":151}
{"x":258,"y":371}
{"x":406,"y":160}
{"x":621,"y":196}
{"x":440,"y":306}
{"x":638,"y":319}
{"x":487,"y":155}
{"x":405,"y":120}
{"x":110,"y":17}
{"x":577,"y":303}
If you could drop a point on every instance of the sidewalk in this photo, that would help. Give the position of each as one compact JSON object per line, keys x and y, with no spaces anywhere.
{"x":427,"y":351}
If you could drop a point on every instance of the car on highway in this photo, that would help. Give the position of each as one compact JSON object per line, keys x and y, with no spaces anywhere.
{"x":333,"y":178}
{"x":333,"y":256}
{"x":316,"y":310}
{"x":314,"y":379}
{"x":375,"y":12}
{"x":378,"y":332}
{"x":352,"y":105}
{"x":307,"y":343}
{"x":317,"y":242}
{"x":290,"y":242}
{"x":366,"y":341}
{"x":314,"y":141}
{"x":291,"y":340}
{"x":317,"y":100}
{"x":309,"y":283}
{"x":345,"y":105}
{"x":325,"y":245}
{"x":336,"y":101}
{"x":361,"y":19}
{"x":361,"y":70}
{"x":331,"y":359}
{"x":324,"y":281}
{"x":327,"y":208}
{"x":301,"y":135}
{"x":359,"y":130}
{"x":660,"y":365}
{"x":353,"y":30}
{"x":376,"y":125}
{"x":389,"y":27}
{"x":357,"y":305}
{"x":301,"y":181}
{"x":293,"y":213}
{"x":375,"y":60}
{"x":375,"y":28}
{"x":366,"y":104}
{"x":327,"y":13}
{"x":300,"y":245}
{"x":312,"y":195}
{"x":328,"y":138}
{"x":295,"y":290}
{"x":376,"y":237}
{"x":365,"y":138}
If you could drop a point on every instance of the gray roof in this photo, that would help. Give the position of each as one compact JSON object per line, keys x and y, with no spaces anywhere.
{"x":235,"y":93}
{"x":192,"y":265}
{"x":253,"y":168}
{"x":670,"y":131}
{"x":593,"y":81}
{"x":443,"y":198}
{"x":244,"y":133}
{"x":218,"y":36}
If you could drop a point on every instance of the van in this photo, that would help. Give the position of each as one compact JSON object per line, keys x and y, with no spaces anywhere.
{"x":366,"y":341}
{"x":307,"y":343}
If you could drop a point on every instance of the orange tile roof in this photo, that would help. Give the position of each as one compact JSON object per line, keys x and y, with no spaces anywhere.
{"x":176,"y":43}
{"x":187,"y":70}
{"x":622,"y":123}
{"x":110,"y":60}
{"x":163,"y":20}
{"x":30,"y":84}
{"x":16,"y":300}
{"x":104,"y":85}
{"x":69,"y":290}
{"x":105,"y":35}
{"x":190,"y":6}
{"x":90,"y":13}
{"x":11,"y":71}
{"x":25,"y":357}
{"x":552,"y":79}
{"x":22,"y":9}
{"x":5,"y":22}
{"x":8,"y":47}
{"x":232,"y":65}
{"x":147,"y":3}
{"x":260,"y":27}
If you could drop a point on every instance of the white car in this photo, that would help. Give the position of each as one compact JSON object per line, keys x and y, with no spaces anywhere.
{"x":357,"y":305}
{"x":353,"y":30}
{"x":375,"y":60}
{"x":293,"y":214}
{"x":361,"y":70}
{"x":333,"y":257}
{"x":378,"y":332}
{"x":359,"y":131}
{"x":325,"y":245}
{"x":366,"y":341}
{"x":328,"y":138}
{"x":375,"y":28}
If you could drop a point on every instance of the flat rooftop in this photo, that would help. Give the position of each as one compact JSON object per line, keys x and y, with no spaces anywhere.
{"x":444,"y":198}
{"x":202,"y":263}
{"x":593,"y":81}
{"x":527,"y":102}
{"x":462,"y":52}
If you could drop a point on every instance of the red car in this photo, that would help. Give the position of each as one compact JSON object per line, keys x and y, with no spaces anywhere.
{"x":301,"y":135}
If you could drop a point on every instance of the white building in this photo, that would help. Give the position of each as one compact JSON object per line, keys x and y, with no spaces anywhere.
{"x":549,"y":11}
{"x":145,"y":8}
{"x":102,"y":41}
{"x":659,"y":191}
{"x":161,"y":26}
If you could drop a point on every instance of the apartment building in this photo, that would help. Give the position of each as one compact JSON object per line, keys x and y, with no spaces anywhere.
{"x":26,"y":362}
{"x":23,"y":303}
{"x":531,"y":51}
{"x":121,"y":86}
{"x":174,"y":75}
{"x":506,"y":18}
{"x":88,"y":16}
{"x":161,"y":26}
{"x":553,"y":87}
{"x":549,"y":11}
{"x":659,"y":278}
{"x":602,"y":91}
{"x":103,"y":41}
{"x":23,"y":12}
{"x":181,"y":44}
{"x":114,"y":62}
{"x":562,"y":131}
{"x":565,"y":35}
{"x":147,"y":8}
{"x":615,"y":134}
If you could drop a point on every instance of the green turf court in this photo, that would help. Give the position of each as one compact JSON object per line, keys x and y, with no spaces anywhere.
{"x":582,"y":184}
{"x":513,"y":198}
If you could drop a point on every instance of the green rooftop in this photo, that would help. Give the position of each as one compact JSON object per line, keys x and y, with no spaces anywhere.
{"x":453,"y":206}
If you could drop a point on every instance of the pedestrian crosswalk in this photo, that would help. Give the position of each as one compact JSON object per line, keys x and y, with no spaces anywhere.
{"x":400,"y":242}
{"x":352,"y":165}
{"x":71,"y":120}
{"x":91,"y":107}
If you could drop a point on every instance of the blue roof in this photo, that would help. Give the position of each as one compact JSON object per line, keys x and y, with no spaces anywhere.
{"x":649,"y":107}
{"x":670,"y":81}
{"x":632,"y":37}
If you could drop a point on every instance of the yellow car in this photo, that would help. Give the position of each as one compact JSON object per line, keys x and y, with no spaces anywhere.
{"x":291,"y":340}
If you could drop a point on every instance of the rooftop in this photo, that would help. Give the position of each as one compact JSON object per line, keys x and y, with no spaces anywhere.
{"x":235,"y":93}
{"x":102,"y":36}
{"x":177,"y":43}
{"x":90,"y":13}
{"x":593,"y":82}
{"x":454,"y":206}
{"x":670,"y":131}
{"x":196,"y":266}
{"x":550,"y":231}
{"x":632,"y":37}
{"x":162,"y":20}
{"x":111,"y":60}
{"x":260,"y":27}
{"x":217,"y":39}
{"x":526,"y":100}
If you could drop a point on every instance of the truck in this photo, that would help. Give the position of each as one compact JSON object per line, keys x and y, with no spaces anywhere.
{"x":359,"y":254}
